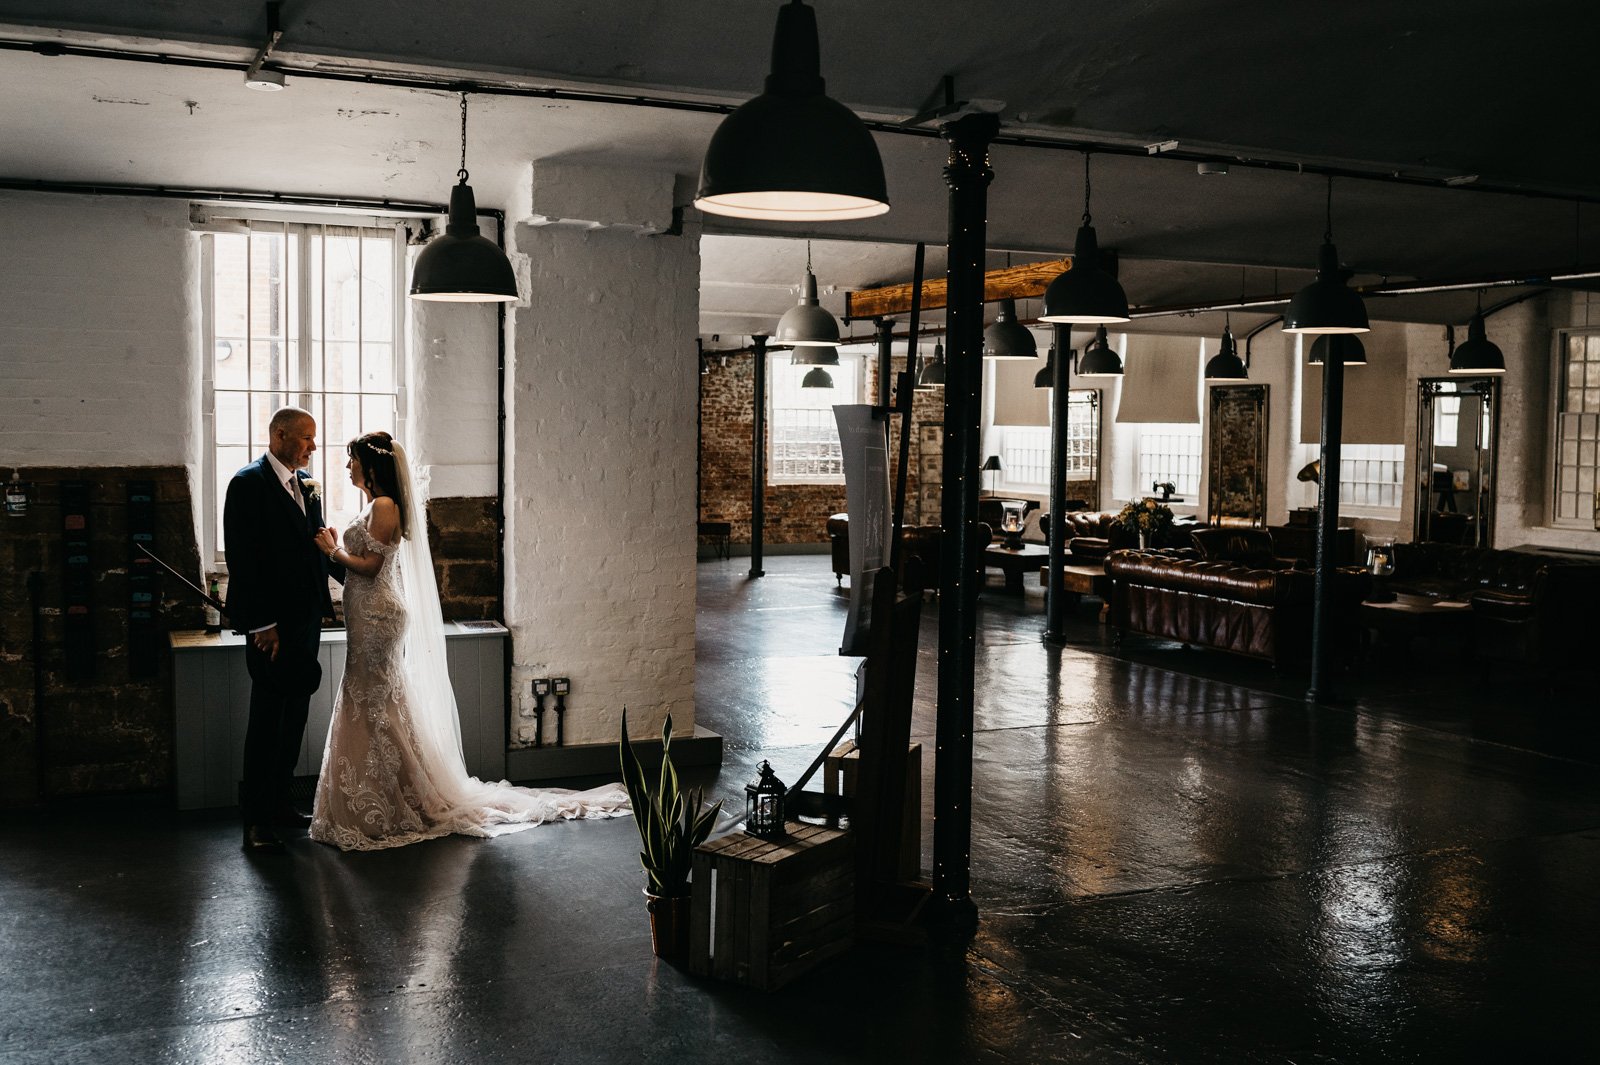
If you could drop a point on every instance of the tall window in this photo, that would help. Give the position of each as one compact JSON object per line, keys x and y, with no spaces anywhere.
{"x":1169,"y":454}
{"x":802,"y":436}
{"x":1370,"y":475}
{"x":1577,"y":443}
{"x":304,"y":315}
{"x":1025,"y":449}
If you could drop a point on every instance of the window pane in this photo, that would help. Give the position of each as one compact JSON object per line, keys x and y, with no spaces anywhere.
{"x":230,"y":367}
{"x":232,"y":420}
{"x":377,"y":282}
{"x":377,"y":368}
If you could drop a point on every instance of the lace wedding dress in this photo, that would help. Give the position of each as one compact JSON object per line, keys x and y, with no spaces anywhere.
{"x":392,"y":770}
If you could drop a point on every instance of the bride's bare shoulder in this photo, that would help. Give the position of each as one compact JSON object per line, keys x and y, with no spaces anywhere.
{"x":384,"y":521}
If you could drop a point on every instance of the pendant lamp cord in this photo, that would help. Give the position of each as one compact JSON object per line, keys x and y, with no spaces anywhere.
{"x":1086,"y":188}
{"x":1327,"y":234}
{"x":462,"y":173}
{"x":808,"y":257}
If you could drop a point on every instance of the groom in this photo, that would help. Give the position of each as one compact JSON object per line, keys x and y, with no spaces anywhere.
{"x":278,"y":594}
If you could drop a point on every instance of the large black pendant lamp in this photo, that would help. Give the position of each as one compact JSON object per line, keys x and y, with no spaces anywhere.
{"x":793,"y":153}
{"x":1085,"y":294}
{"x":808,"y":328}
{"x":1328,"y":304}
{"x":932,"y":375}
{"x":1100,"y":359}
{"x":1226,"y":365}
{"x":1008,"y":338}
{"x":461,"y":265}
{"x":1477,"y":354}
{"x":1351,"y":351}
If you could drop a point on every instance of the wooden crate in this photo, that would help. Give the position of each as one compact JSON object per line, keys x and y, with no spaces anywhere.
{"x":765,"y":912}
{"x":839,"y":778}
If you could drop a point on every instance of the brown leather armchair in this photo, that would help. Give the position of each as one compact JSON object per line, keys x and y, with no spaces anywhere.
{"x":921,"y":542}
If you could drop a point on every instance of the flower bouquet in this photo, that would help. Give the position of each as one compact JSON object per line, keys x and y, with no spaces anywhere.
{"x":1146,"y":519}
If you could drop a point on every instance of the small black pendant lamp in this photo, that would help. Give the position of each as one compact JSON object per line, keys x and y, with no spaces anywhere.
{"x":1351,"y":351}
{"x":1085,"y":294}
{"x":933,"y":374}
{"x":819,"y":377}
{"x":793,"y":153}
{"x":1226,"y":365}
{"x":1046,"y":377}
{"x":808,"y":328}
{"x":1100,"y":359}
{"x":1008,"y":338}
{"x":1328,"y":304}
{"x":461,"y":265}
{"x":1477,"y":354}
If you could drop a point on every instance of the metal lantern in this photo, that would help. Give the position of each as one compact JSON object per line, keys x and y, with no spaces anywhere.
{"x":763,"y":805}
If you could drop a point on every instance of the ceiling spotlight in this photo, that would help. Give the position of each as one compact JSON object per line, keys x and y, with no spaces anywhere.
{"x":1328,"y":304}
{"x":264,"y":80}
{"x":1085,"y":293}
{"x":1100,"y":359}
{"x":793,"y":153}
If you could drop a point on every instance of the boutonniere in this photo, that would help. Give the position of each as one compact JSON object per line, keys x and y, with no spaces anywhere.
{"x":311,"y":487}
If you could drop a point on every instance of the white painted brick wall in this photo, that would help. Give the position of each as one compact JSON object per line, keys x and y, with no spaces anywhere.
{"x":601,"y":524}
{"x":99,"y":333}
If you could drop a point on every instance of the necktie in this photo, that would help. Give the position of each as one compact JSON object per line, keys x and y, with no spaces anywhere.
{"x":293,"y":485}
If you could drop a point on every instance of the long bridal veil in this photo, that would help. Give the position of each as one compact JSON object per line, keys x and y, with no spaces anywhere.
{"x":473,"y":806}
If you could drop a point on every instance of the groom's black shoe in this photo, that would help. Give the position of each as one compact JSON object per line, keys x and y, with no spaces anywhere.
{"x":259,"y":839}
{"x":286,"y":816}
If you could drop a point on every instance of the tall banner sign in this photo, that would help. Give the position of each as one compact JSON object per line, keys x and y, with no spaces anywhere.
{"x":864,"y":440}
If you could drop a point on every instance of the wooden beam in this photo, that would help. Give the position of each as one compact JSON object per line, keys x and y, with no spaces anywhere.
{"x":1027,"y":281}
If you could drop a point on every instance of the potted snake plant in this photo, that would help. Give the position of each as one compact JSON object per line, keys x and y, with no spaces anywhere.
{"x":671,"y":825}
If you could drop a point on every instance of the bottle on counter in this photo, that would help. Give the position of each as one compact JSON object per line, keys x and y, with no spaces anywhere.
{"x":213,"y":615}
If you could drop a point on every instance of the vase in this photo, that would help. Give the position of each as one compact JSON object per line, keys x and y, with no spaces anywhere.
{"x":1144,"y":540}
{"x":669,"y":925}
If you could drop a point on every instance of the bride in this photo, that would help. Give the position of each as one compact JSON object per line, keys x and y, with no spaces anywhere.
{"x":392,"y":770}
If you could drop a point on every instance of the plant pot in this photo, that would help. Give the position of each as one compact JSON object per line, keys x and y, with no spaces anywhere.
{"x":669,"y":925}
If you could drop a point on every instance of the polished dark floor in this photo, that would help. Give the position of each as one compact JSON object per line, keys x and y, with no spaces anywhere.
{"x":1175,"y":859}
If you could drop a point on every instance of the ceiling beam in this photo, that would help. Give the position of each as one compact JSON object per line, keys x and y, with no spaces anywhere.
{"x":1027,"y":281}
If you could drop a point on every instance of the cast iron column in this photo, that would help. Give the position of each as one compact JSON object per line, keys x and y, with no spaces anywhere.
{"x":968,"y":175}
{"x":758,"y":455}
{"x":1055,"y":599}
{"x":1322,"y":633}
{"x":885,"y":353}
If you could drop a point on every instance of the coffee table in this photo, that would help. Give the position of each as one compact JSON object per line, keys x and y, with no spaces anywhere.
{"x":1014,"y":562}
{"x":1409,"y":616}
{"x":1079,"y":579}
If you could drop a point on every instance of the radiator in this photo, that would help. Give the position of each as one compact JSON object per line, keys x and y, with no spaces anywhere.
{"x":211,"y":701}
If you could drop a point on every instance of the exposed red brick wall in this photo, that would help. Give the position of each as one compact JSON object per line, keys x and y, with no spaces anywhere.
{"x":796,"y":514}
{"x":107,"y":732}
{"x":462,"y":536}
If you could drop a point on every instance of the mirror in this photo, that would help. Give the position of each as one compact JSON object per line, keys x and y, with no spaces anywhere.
{"x":1458,"y":421}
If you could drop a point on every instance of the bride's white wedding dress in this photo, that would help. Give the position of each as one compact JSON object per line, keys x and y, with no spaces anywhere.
{"x":392,"y":770}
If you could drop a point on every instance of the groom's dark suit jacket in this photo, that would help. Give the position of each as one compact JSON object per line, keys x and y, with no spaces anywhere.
{"x":276,"y":574}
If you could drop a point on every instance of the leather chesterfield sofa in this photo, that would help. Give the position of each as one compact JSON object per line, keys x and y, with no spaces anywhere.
{"x":1092,"y":534}
{"x":1528,"y":608}
{"x":1244,"y":608}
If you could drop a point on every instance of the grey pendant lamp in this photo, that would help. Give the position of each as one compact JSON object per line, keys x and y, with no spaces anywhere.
{"x":1477,"y":354}
{"x":808,"y":325}
{"x":933,"y":374}
{"x":1008,"y":338}
{"x":793,"y":153}
{"x":1085,"y":294}
{"x":1328,"y":304}
{"x":817,"y":378}
{"x":1046,"y":377}
{"x":918,"y":377}
{"x":1352,"y":352}
{"x":1100,"y":359}
{"x":461,"y":265}
{"x":1226,"y":365}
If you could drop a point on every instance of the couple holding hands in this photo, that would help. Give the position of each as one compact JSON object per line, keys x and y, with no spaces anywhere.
{"x":392,"y":767}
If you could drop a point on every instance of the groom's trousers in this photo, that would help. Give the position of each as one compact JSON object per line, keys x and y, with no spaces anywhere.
{"x":280,"y":699}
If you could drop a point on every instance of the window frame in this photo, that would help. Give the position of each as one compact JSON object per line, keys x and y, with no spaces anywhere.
{"x":1558,"y":410}
{"x":1079,"y":401}
{"x":212,"y":556}
{"x":778,"y":361}
{"x":1189,"y":495}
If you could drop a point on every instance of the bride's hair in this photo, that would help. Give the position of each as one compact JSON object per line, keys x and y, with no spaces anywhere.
{"x":375,"y":452}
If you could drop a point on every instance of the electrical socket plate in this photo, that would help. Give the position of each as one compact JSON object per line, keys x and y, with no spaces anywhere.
{"x":563,"y":686}
{"x":541,"y":686}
